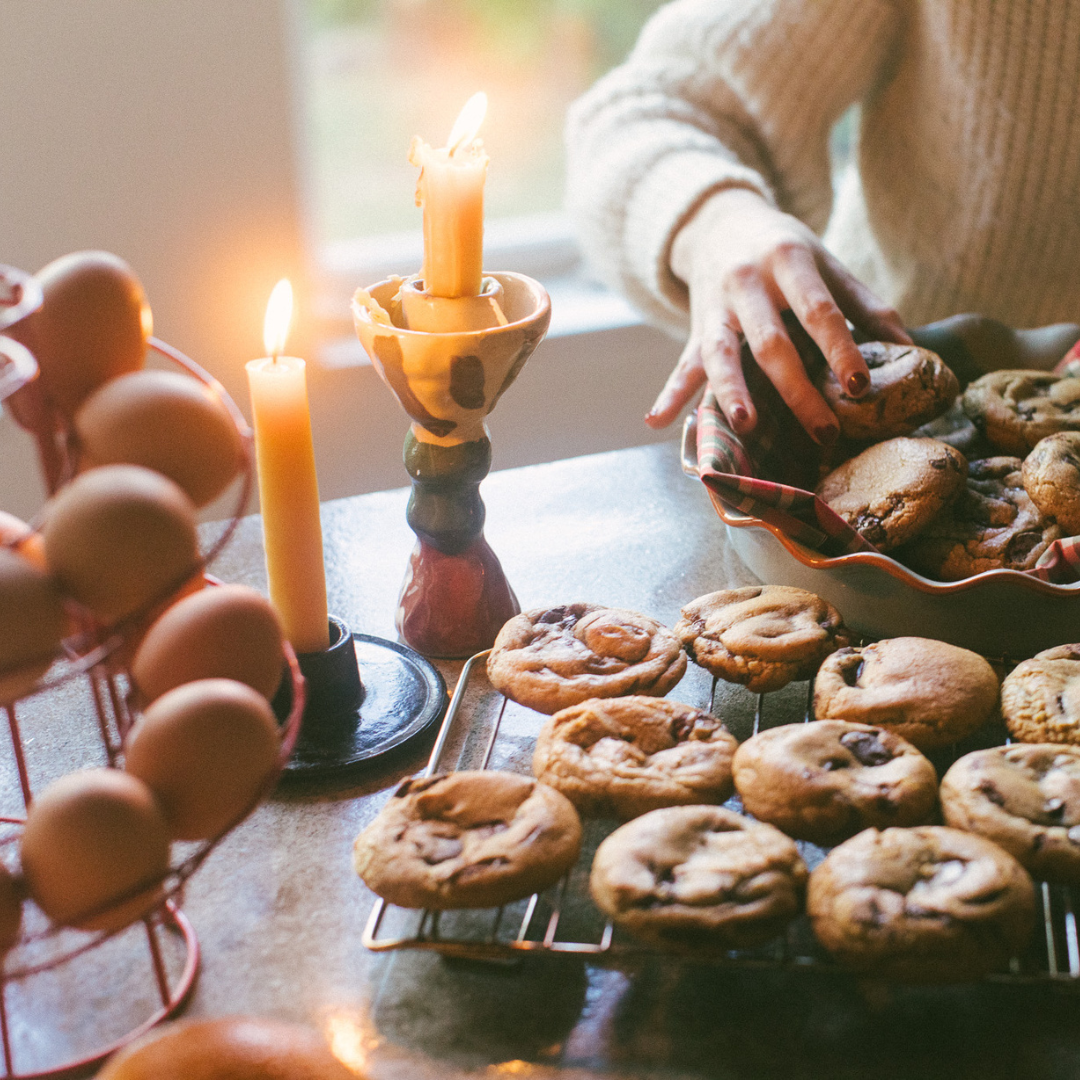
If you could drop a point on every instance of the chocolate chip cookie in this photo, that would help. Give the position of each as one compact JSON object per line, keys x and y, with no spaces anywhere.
{"x":928,"y":904}
{"x":621,"y":757}
{"x":551,"y":658}
{"x":1040,"y":697}
{"x":1015,"y":409}
{"x":1026,"y":798}
{"x":1051,"y":476}
{"x":468,"y":839}
{"x":894,"y":489}
{"x":762,"y":636}
{"x":992,"y":525}
{"x":926,"y":691}
{"x":908,"y":387}
{"x":827,"y":780}
{"x":699,"y":878}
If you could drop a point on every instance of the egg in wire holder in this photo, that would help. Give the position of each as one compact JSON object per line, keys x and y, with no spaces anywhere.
{"x":39,"y":965}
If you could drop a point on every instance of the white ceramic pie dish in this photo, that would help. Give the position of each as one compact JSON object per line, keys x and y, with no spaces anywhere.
{"x":1000,"y":613}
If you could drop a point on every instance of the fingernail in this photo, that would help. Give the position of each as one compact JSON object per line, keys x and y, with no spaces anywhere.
{"x":651,"y":415}
{"x":739,"y":416}
{"x":857,"y":383}
{"x":827,"y":434}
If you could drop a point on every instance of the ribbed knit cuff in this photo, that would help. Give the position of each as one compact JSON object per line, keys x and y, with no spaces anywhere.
{"x":662,"y":201}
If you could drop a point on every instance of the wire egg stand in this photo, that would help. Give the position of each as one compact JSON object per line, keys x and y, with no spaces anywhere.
{"x":90,"y":653}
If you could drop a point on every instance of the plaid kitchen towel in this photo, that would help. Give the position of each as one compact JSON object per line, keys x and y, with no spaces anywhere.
{"x":771,"y":474}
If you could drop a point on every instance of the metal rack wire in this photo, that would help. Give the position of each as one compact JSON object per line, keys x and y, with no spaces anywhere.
{"x":563,"y":919}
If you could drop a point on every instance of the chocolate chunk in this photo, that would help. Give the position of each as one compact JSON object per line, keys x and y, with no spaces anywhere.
{"x":988,"y":789}
{"x":866,"y":747}
{"x":851,"y":665}
{"x":1021,"y":546}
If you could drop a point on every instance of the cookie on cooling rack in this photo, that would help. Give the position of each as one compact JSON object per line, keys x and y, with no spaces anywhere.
{"x":828,"y":780}
{"x":1015,"y":409}
{"x":621,"y":757}
{"x":1026,"y":798}
{"x":551,"y":658}
{"x":993,"y":524}
{"x":1040,"y":697}
{"x":1051,"y":477}
{"x":928,"y":692}
{"x":893,"y":490}
{"x":762,"y":636}
{"x":928,"y":904}
{"x":468,"y":839}
{"x":908,"y":387}
{"x":699,"y":878}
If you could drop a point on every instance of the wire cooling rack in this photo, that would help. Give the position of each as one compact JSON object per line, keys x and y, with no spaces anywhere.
{"x":482,"y":729}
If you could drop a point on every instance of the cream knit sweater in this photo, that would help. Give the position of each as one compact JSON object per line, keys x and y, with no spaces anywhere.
{"x":967,"y":194}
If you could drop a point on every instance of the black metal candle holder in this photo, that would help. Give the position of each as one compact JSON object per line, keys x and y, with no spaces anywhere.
{"x":367,"y":698}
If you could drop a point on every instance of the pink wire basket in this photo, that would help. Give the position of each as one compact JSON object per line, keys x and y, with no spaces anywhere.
{"x":93,"y":657}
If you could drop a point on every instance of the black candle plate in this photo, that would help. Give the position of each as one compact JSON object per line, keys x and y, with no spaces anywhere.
{"x":403,"y":696}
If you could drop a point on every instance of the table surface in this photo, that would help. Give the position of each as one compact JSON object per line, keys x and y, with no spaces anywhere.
{"x":280,"y":912}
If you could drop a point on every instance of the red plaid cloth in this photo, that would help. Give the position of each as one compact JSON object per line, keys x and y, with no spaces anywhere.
{"x":769,"y":473}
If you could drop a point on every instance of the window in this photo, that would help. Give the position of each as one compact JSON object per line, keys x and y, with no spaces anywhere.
{"x":379,"y":71}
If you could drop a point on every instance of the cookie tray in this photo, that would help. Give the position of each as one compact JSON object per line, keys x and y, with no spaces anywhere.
{"x":482,"y":729}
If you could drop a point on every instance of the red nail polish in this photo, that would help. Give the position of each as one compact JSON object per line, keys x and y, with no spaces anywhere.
{"x":857,"y":383}
{"x":739,"y":416}
{"x":827,"y":434}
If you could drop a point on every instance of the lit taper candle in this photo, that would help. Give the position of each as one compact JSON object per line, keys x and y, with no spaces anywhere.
{"x":451,"y":191}
{"x":288,"y":485}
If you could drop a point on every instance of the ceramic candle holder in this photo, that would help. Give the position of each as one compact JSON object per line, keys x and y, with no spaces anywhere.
{"x":455,"y":596}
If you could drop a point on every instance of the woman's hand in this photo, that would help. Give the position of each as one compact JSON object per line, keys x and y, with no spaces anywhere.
{"x":744,"y":263}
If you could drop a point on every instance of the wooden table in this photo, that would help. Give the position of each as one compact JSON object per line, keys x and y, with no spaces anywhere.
{"x":279,"y":911}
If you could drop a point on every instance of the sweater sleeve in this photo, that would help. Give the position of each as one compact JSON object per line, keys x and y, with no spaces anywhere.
{"x":716,"y":94}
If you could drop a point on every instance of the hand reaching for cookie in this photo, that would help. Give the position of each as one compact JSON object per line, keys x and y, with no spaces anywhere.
{"x":746,"y":262}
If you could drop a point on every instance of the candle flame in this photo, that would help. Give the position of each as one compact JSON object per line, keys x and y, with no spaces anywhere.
{"x":468,"y":122}
{"x":278,"y":317}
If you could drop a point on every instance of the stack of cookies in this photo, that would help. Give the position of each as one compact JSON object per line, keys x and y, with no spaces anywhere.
{"x":988,"y":481}
{"x":695,"y":870}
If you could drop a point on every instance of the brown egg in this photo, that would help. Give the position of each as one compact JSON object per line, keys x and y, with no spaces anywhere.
{"x":32,"y":623}
{"x":229,"y":1048}
{"x":90,"y":838}
{"x":10,"y":909}
{"x":226,"y":632}
{"x":92,"y":326}
{"x":18,"y":536}
{"x":205,"y":749}
{"x":166,"y":421}
{"x":119,"y":537}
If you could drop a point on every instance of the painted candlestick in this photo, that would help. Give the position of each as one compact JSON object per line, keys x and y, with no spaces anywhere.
{"x":455,"y":596}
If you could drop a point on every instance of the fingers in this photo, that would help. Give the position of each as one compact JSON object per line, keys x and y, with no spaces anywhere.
{"x":720,"y":363}
{"x":722,"y":356}
{"x":778,"y":358}
{"x":685,"y":380}
{"x":860,"y":305}
{"x":797,"y":276}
